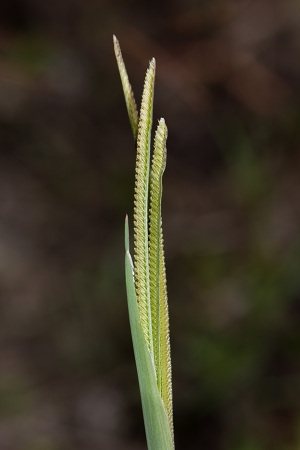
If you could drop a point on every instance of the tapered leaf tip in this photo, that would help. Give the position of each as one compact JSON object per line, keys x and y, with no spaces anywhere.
{"x":126,"y":234}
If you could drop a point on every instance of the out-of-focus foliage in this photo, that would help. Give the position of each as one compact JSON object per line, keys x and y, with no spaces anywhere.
{"x":228,"y":83}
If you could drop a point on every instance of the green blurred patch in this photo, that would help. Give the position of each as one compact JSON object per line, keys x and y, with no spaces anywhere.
{"x":16,"y":396}
{"x":223,"y":363}
{"x":30,"y":52}
{"x":245,"y":443}
{"x":42,"y":443}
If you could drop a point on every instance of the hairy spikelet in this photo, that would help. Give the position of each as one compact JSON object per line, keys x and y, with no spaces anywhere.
{"x":141,"y":259}
{"x":157,"y":274}
{"x":127,"y":89}
{"x":165,"y":349}
{"x":156,"y":173}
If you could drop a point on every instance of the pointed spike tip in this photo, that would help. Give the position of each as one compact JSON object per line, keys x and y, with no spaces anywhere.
{"x":116,"y":45}
{"x":153,"y":62}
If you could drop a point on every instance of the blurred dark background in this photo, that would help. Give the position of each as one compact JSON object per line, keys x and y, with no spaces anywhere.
{"x":228,"y":85}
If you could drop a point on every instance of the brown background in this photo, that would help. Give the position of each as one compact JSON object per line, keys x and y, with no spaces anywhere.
{"x":228,"y":86}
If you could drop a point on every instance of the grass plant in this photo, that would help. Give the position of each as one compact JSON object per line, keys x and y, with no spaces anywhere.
{"x":146,"y":276}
